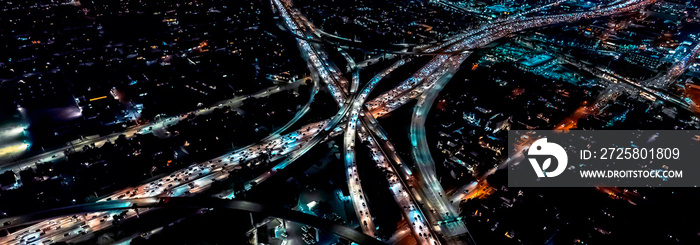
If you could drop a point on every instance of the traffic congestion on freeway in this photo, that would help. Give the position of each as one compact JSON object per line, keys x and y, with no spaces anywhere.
{"x":438,"y":188}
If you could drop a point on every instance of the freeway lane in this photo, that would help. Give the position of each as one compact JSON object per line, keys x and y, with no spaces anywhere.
{"x":200,"y":176}
{"x":350,"y":105}
{"x":140,"y":129}
{"x":446,"y":211}
{"x":328,"y":72}
{"x":354,"y":183}
{"x":479,"y":37}
{"x":410,"y":210}
{"x":246,"y":206}
{"x":420,"y":228}
{"x":358,"y":197}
